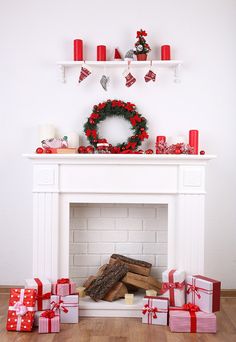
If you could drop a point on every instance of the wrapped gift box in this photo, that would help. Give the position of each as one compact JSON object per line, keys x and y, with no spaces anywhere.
{"x":173,"y":287}
{"x":64,"y":287}
{"x":67,"y":307}
{"x":21,"y":309}
{"x":49,"y":322}
{"x":44,"y":289}
{"x":155,"y":310}
{"x":188,"y":320}
{"x":204,"y":292}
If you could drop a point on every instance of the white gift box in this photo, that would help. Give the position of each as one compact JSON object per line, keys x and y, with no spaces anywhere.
{"x":173,"y":286}
{"x":67,"y":307}
{"x":204,"y":292}
{"x":155,"y":310}
{"x":44,"y":290}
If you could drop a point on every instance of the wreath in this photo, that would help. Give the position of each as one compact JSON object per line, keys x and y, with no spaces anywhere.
{"x":119,"y":108}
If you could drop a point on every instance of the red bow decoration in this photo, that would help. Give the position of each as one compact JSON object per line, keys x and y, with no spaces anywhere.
{"x":101,"y":105}
{"x":143,"y":135}
{"x":193,"y":288}
{"x":129,"y":106}
{"x":142,"y":33}
{"x":91,"y":132}
{"x":168,"y":286}
{"x":63,"y":281}
{"x":131,"y":145}
{"x":148,"y":309}
{"x":94,"y":116}
{"x":48,"y":314}
{"x":134,"y":119}
{"x":44,"y":296}
{"x":190,"y":307}
{"x":59,"y":306}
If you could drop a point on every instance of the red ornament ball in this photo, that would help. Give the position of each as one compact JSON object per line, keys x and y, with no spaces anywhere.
{"x":177,"y":151}
{"x":149,"y":151}
{"x":202,"y":152}
{"x":39,"y":150}
{"x":142,"y":129}
{"x":81,"y":149}
{"x":89,"y":149}
{"x":48,"y":150}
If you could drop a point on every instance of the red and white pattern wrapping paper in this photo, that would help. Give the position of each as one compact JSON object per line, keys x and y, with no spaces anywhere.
{"x":173,"y":286}
{"x":155,"y":310}
{"x":191,"y":322}
{"x":20,"y":315}
{"x":67,"y":307}
{"x":44,"y":290}
{"x":204,"y":292}
{"x":64,"y":287}
{"x":49,"y":325}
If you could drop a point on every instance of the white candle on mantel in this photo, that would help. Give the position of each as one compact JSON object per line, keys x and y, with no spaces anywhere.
{"x":178,"y":139}
{"x":73,"y":139}
{"x":46,"y":131}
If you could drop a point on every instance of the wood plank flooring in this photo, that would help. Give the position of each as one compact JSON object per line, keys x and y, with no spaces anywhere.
{"x":123,"y":329}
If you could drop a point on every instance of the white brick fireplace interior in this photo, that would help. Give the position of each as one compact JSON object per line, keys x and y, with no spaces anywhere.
{"x":98,"y":230}
{"x":88,"y":206}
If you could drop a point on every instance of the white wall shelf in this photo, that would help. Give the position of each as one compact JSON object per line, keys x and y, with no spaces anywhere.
{"x":173,"y":64}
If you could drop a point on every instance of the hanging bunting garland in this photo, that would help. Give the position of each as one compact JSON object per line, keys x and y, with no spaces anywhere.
{"x":118,"y":108}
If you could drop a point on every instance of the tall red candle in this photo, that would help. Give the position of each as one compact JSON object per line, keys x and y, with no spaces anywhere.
{"x":193,"y":140}
{"x":101,"y":53}
{"x":165,"y":52}
{"x":159,"y":139}
{"x":78,"y":50}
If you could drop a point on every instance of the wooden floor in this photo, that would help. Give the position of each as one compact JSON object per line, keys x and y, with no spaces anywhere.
{"x":123,"y":329}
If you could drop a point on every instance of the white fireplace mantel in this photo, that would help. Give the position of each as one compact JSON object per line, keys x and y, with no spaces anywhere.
{"x":175,"y":180}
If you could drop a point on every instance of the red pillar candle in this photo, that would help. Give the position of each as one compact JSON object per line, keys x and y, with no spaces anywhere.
{"x":101,"y":53}
{"x":193,"y":140}
{"x":78,"y":50}
{"x":159,"y":139}
{"x":165,"y":52}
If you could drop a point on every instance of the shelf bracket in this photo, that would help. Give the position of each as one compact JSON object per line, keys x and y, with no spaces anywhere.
{"x":62,"y":73}
{"x":177,"y":70}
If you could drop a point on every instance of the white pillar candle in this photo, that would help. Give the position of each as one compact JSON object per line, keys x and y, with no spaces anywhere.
{"x":177,"y":140}
{"x":73,"y":139}
{"x":46,"y":131}
{"x":129,"y":298}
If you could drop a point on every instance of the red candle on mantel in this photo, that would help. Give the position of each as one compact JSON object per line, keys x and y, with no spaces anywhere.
{"x":165,"y":52}
{"x":78,"y":50}
{"x":160,"y":138}
{"x":101,"y":53}
{"x":193,"y":140}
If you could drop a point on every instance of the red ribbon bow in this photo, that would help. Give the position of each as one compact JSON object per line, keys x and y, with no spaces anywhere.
{"x":91,"y":132}
{"x":63,"y":281}
{"x":168,"y":286}
{"x":48,"y":314}
{"x":134,"y":119}
{"x":194,"y":289}
{"x":59,"y":306}
{"x":150,"y":310}
{"x":190,"y":307}
{"x":131,"y":145}
{"x":143,"y":135}
{"x":94,"y":116}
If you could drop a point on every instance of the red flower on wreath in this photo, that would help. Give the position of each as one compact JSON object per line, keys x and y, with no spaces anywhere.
{"x":129,"y":106}
{"x":91,"y":132}
{"x":101,"y":105}
{"x":94,"y":116}
{"x":131,"y":145}
{"x":141,"y":33}
{"x":143,"y":135}
{"x":134,"y":119}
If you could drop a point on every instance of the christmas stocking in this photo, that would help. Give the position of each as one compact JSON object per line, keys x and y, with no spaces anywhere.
{"x":84,"y":72}
{"x":104,"y":81}
{"x":130,"y":80}
{"x":150,"y":76}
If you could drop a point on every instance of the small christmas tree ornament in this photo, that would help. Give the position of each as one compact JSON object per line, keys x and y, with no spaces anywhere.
{"x":117,"y":56}
{"x":141,"y":46}
{"x":84,"y":73}
{"x":104,"y":82}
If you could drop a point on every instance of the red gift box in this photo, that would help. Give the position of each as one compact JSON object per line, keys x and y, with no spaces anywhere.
{"x":49,"y":322}
{"x":21,"y":310}
{"x":64,"y":287}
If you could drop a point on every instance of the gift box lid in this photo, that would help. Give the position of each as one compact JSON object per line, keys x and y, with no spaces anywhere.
{"x":178,"y":275}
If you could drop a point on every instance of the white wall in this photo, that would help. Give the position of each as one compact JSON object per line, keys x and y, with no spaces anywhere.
{"x":34,"y":34}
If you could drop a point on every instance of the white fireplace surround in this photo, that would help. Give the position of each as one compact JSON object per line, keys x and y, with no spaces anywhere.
{"x":60,"y":180}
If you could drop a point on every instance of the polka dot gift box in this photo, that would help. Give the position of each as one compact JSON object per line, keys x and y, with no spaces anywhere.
{"x":21,"y":309}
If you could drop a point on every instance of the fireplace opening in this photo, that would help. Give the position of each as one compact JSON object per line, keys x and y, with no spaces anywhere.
{"x":97,"y":231}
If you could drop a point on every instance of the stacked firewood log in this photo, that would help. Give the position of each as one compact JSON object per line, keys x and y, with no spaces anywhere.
{"x":122,"y":275}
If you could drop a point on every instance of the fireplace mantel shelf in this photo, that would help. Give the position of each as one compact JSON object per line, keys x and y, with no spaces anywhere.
{"x":120,"y":158}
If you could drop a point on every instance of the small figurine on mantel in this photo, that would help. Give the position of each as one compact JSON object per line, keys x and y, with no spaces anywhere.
{"x":102,"y":146}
